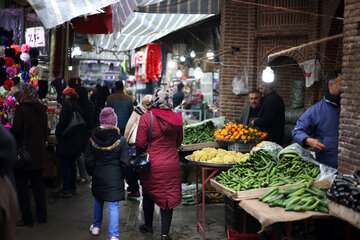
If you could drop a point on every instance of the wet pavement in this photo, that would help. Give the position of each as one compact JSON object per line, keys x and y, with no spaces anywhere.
{"x":70,"y":219}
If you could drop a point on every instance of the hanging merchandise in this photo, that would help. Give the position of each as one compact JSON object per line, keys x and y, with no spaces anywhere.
{"x":240,"y":82}
{"x":153,"y":62}
{"x":312,"y":70}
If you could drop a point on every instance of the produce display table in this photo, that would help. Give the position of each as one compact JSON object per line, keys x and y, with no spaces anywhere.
{"x":200,"y":169}
{"x":268,"y":215}
{"x":344,"y":213}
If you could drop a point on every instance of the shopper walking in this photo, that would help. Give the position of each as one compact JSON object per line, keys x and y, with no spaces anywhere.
{"x":69,"y":145}
{"x":122,"y":105}
{"x":107,"y":155}
{"x":30,"y":131}
{"x":87,"y":109}
{"x":8,"y":200}
{"x":162,"y":183}
{"x":132,"y":177}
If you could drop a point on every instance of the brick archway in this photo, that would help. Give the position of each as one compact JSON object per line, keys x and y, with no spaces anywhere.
{"x":297,"y":55}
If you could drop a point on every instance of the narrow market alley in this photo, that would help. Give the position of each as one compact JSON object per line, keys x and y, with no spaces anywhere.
{"x":70,"y":219}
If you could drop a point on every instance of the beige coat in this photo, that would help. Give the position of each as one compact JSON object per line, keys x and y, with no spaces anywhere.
{"x":132,"y":124}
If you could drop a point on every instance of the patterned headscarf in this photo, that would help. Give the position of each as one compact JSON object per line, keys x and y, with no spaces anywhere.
{"x":161,"y":99}
{"x":28,"y":91}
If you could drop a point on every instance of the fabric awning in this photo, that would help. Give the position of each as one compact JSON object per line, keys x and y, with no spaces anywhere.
{"x":53,"y":12}
{"x":143,"y":28}
{"x":180,"y":6}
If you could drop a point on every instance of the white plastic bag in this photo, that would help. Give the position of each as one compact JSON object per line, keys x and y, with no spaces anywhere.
{"x":272,"y":148}
{"x":326,"y":172}
{"x":240,"y":82}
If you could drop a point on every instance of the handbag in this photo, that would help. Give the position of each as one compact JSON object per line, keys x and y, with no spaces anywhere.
{"x":23,"y":157}
{"x":142,"y":162}
{"x":76,"y":122}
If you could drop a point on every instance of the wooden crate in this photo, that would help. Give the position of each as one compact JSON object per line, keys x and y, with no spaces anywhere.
{"x":344,"y":213}
{"x":199,"y":146}
{"x":256,"y":193}
{"x":222,"y":189}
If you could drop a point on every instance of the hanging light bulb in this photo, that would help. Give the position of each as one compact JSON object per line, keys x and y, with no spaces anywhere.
{"x":198,"y":73}
{"x":182,"y":59}
{"x":210,"y":54}
{"x":192,"y":54}
{"x":70,"y":68}
{"x":172,"y":64}
{"x":179,"y":73}
{"x":268,"y":75}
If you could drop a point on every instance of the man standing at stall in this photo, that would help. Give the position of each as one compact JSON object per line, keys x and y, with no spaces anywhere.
{"x":272,"y":114}
{"x":122,"y":105}
{"x":318,"y":127}
{"x":251,"y":110}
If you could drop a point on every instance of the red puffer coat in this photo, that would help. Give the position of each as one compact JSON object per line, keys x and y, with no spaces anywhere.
{"x":163,"y":181}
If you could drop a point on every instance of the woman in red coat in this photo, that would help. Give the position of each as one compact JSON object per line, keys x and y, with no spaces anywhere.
{"x":162,"y":183}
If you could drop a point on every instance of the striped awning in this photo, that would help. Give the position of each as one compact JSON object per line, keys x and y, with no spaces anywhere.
{"x":107,"y":56}
{"x":54,"y":12}
{"x":122,"y":9}
{"x":143,"y":28}
{"x":180,"y":6}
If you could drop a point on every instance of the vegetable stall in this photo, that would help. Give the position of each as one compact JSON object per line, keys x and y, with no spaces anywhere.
{"x":270,"y":183}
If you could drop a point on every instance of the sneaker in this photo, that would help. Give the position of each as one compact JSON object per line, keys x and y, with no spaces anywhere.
{"x":134,"y":194}
{"x":63,"y":194}
{"x":114,"y":238}
{"x":95,"y":231}
{"x":145,"y":229}
{"x":165,"y":237}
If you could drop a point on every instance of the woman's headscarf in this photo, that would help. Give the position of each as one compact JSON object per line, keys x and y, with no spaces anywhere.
{"x":146,"y":101}
{"x":28,"y":91}
{"x":161,"y":99}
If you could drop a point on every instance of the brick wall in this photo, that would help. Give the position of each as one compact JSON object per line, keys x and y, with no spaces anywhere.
{"x":349,"y":141}
{"x":262,"y":31}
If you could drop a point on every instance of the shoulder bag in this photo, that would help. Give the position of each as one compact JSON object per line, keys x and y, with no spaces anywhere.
{"x":23,"y":157}
{"x":75,"y":122}
{"x":142,"y":162}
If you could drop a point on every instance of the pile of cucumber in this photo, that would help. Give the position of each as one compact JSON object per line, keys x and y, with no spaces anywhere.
{"x":260,"y":170}
{"x":299,"y":198}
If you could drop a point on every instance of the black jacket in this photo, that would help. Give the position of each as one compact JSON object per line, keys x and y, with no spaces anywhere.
{"x":272,"y":117}
{"x":69,"y":145}
{"x":106,"y":157}
{"x":32,"y":116}
{"x":7,"y":151}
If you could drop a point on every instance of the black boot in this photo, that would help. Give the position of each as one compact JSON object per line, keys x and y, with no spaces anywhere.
{"x":165,"y":237}
{"x":146,"y":229}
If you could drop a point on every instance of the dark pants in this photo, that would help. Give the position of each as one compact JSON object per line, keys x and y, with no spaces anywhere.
{"x":68,"y":171}
{"x":132,"y":179}
{"x":22,"y":186}
{"x":166,"y":214}
{"x":81,"y":167}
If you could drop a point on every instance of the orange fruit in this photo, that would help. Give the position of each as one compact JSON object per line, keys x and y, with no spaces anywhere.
{"x":243,"y":137}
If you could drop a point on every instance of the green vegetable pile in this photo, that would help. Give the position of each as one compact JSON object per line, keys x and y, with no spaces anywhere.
{"x":260,"y":170}
{"x":299,"y":198}
{"x":199,"y":134}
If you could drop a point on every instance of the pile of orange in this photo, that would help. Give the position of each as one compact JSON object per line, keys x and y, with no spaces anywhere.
{"x":233,"y":131}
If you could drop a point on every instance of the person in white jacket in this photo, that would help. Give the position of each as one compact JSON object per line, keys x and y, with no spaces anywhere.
{"x":132,"y":177}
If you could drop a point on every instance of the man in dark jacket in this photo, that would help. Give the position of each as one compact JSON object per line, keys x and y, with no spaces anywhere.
{"x":122,"y":105}
{"x":179,"y":96}
{"x":272,"y":114}
{"x":8,"y":201}
{"x":318,"y":127}
{"x":251,"y":110}
{"x":30,"y":131}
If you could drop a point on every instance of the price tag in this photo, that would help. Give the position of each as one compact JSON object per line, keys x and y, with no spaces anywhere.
{"x":35,"y":37}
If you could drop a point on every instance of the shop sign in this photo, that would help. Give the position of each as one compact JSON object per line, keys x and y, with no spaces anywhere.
{"x":35,"y":37}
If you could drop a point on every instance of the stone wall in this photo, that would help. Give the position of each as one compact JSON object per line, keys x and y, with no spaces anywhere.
{"x":349,"y":141}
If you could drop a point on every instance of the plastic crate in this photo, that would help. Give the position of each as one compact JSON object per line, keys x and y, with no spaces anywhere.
{"x":234,"y":235}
